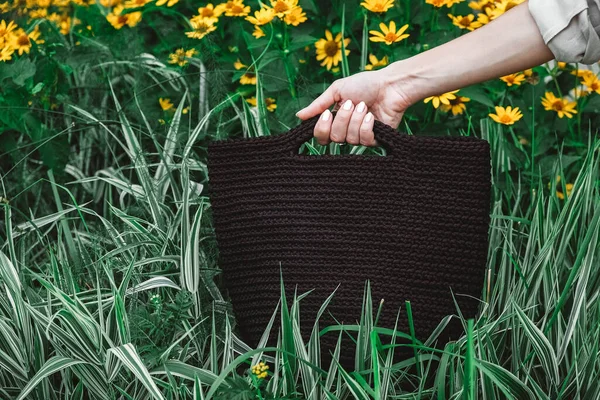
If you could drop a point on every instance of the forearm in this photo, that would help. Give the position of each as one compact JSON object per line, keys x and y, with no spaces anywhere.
{"x":506,"y":45}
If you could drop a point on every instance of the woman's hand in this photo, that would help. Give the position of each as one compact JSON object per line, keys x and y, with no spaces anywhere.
{"x":361,"y":98}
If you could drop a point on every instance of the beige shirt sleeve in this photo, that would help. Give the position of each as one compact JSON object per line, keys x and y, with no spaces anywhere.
{"x":570,"y":28}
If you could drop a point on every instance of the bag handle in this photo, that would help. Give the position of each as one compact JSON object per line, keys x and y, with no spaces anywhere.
{"x":386,"y":136}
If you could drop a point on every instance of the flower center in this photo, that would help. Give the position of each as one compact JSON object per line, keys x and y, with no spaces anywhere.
{"x":377,"y":7}
{"x":122,"y":19}
{"x":331,"y":48}
{"x":237,"y":9}
{"x":505,"y":118}
{"x":390,"y":37}
{"x":557,"y":105}
{"x":23,"y":40}
{"x":465,"y":21}
{"x":207,"y":12}
{"x":280,"y":7}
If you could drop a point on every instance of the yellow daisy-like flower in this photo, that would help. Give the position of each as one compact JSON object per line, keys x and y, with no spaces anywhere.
{"x":283,"y":7}
{"x":441,"y":3}
{"x":329,"y":49}
{"x":6,"y":53}
{"x":4,"y":7}
{"x":503,"y":6}
{"x":210,"y":11}
{"x":20,"y":41}
{"x":457,"y":105}
{"x":592,"y":83}
{"x":513,"y":79}
{"x":165,"y":104}
{"x":441,"y":99}
{"x":262,"y":16}
{"x":561,"y":65}
{"x":482,"y":5}
{"x":295,"y":17}
{"x":249,"y":78}
{"x":375,"y":63}
{"x":506,"y":116}
{"x":169,"y":3}
{"x":269,"y":103}
{"x":239,"y":65}
{"x":110,"y":3}
{"x":483,"y":19}
{"x":6,"y":31}
{"x":377,"y":6}
{"x":136,"y":3}
{"x":583,"y":73}
{"x":38,"y":13}
{"x":562,"y":107}
{"x":201,"y":28}
{"x":118,"y":20}
{"x":466,"y":22}
{"x":258,"y":32}
{"x":233,"y":8}
{"x":180,"y":56}
{"x":528,"y":72}
{"x":389,"y":35}
{"x":260,"y":370}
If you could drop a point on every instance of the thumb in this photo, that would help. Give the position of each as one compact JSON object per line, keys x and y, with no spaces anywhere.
{"x":320,"y":104}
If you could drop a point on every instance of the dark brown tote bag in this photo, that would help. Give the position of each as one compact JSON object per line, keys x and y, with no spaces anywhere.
{"x":413,"y":222}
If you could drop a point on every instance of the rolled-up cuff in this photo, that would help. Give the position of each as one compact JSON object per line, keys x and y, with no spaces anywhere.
{"x":570,"y":29}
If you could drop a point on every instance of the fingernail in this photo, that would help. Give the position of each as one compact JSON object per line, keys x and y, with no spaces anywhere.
{"x":348,"y":104}
{"x":326,"y":114}
{"x":361,"y":106}
{"x":368,"y":117}
{"x":297,"y":113}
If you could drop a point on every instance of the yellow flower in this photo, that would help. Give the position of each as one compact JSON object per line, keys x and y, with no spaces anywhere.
{"x":441,"y":99}
{"x":6,"y":31}
{"x":389,"y":35}
{"x":283,"y":7}
{"x":6,"y":53}
{"x":330,"y":50}
{"x":63,"y":21}
{"x":169,"y":3}
{"x":375,"y":62}
{"x":165,"y":104}
{"x":528,"y":72}
{"x":592,"y":83}
{"x":559,"y":193}
{"x":269,"y":103}
{"x":249,"y":78}
{"x":20,"y":42}
{"x":295,"y":17}
{"x":4,"y":7}
{"x":378,"y":6}
{"x":38,"y":13}
{"x":260,"y":370}
{"x":118,"y":20}
{"x":136,"y":3}
{"x":583,"y":73}
{"x":457,"y":105}
{"x":210,"y":11}
{"x":465,"y":22}
{"x":503,"y":6}
{"x":262,"y":16}
{"x":258,"y":32}
{"x":441,"y":3}
{"x":483,"y":19}
{"x":201,"y":28}
{"x":233,"y":8}
{"x":180,"y":56}
{"x":561,"y":65}
{"x":506,"y":116}
{"x":239,"y":65}
{"x":562,"y":107}
{"x":482,"y":5}
{"x":513,"y":79}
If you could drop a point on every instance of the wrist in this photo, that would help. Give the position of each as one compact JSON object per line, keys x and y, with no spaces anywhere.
{"x":406,"y":78}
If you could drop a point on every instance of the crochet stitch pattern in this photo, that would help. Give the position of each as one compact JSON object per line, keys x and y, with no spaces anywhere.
{"x":413,"y":222}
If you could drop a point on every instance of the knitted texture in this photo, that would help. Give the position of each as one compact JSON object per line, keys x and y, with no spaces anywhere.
{"x":413,"y":222}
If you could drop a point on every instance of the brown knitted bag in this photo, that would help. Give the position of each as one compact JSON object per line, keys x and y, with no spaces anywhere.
{"x":413,"y":222}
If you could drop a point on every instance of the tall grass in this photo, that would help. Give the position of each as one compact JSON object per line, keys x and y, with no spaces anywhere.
{"x":113,"y":295}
